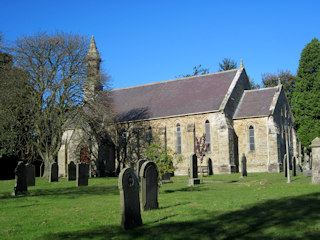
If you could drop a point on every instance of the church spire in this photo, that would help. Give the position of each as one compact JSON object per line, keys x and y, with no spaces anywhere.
{"x":241,"y":64}
{"x":93,"y":53}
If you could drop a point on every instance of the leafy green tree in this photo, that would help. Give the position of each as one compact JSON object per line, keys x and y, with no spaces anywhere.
{"x":286,"y":79}
{"x":227,"y":64}
{"x":306,"y":97}
{"x":197,"y":70}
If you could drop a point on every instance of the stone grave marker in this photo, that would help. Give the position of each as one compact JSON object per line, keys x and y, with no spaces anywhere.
{"x":21,"y":186}
{"x":138,"y":167}
{"x":129,"y":199}
{"x":315,"y":146}
{"x":294,"y":166}
{"x":307,"y":170}
{"x":210,"y":170}
{"x":193,"y":171}
{"x":53,"y":172}
{"x":82,"y":174}
{"x":244,"y":172}
{"x":149,"y":185}
{"x":72,"y":171}
{"x":31,"y":174}
{"x":285,"y":165}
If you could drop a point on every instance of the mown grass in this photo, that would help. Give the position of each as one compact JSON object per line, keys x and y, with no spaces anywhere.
{"x":261,"y":206}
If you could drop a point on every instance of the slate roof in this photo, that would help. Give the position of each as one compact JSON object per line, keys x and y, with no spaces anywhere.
{"x":171,"y":98}
{"x":255,"y":103}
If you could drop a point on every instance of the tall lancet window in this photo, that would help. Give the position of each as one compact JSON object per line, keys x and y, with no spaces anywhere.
{"x":251,"y":138}
{"x":208,"y":136}
{"x":149,"y":135}
{"x":178,"y":139}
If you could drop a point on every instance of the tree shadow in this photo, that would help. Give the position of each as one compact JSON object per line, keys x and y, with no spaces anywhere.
{"x":68,"y":192}
{"x":199,"y":188}
{"x":291,"y":218}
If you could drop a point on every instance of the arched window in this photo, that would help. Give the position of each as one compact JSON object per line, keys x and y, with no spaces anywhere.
{"x":149,"y":135}
{"x":178,"y":139}
{"x":208,"y":136}
{"x":251,"y":138}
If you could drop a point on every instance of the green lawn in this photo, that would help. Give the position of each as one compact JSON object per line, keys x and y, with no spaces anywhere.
{"x":261,"y":206}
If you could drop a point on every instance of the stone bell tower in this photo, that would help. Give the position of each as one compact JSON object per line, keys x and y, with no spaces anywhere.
{"x":93,"y":83}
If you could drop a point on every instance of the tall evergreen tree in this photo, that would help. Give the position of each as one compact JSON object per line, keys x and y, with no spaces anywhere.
{"x":306,"y":97}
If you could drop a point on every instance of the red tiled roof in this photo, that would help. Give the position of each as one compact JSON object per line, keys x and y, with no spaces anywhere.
{"x":255,"y":103}
{"x":170,"y":98}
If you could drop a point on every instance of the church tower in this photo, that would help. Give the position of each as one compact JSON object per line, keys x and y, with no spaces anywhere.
{"x":93,"y":83}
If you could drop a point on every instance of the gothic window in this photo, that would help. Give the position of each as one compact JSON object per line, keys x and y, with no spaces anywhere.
{"x":208,"y":136}
{"x":178,"y":139}
{"x":149,"y":135}
{"x":251,"y":138}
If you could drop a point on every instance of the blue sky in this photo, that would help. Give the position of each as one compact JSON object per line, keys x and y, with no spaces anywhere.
{"x":150,"y":41}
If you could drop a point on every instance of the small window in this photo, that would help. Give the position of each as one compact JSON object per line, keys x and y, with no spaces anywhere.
{"x":178,"y":139}
{"x":208,"y":136}
{"x":149,"y":135}
{"x":251,"y":138}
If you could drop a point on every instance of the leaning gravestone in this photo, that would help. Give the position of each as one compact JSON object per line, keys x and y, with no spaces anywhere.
{"x":138,"y":167}
{"x":72,"y":171}
{"x":244,"y":172}
{"x":149,"y":185}
{"x":129,"y":199}
{"x":53,"y":172}
{"x":315,"y":146}
{"x":31,"y":174}
{"x":82,"y":174}
{"x":21,"y":186}
{"x":193,"y":174}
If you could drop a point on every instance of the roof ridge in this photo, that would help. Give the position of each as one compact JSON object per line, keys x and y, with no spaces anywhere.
{"x":172,"y":80}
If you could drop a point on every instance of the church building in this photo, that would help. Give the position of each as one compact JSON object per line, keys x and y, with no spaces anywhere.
{"x":234,"y":118}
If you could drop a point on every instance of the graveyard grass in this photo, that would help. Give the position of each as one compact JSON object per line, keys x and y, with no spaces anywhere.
{"x":260,"y":206}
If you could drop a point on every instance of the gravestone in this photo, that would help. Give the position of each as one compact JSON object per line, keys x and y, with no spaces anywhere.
{"x":307,"y":171}
{"x":166,"y":178}
{"x":138,"y":167}
{"x":244,"y":166}
{"x":21,"y":186}
{"x":294,"y":165}
{"x":315,"y":146}
{"x":31,"y":174}
{"x":149,"y":185}
{"x":210,"y":170}
{"x":193,"y":171}
{"x":82,"y":174}
{"x":298,"y":166}
{"x":129,"y":198}
{"x":72,"y":171}
{"x":285,"y":165}
{"x":53,"y":172}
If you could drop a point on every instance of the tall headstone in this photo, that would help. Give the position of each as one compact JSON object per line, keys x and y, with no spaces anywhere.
{"x":82,"y":174}
{"x":149,"y":185}
{"x":244,"y":172}
{"x":72,"y":171}
{"x":53,"y":172}
{"x":210,"y":170}
{"x":129,"y":198}
{"x":285,"y":165}
{"x":294,"y":166}
{"x":193,"y":173}
{"x":138,"y":167}
{"x":315,"y":146}
{"x":31,"y":174}
{"x":21,"y":186}
{"x":307,"y":170}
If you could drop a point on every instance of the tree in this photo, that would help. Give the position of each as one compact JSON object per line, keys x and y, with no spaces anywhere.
{"x":306,"y":97}
{"x":227,"y":64}
{"x":286,"y":79}
{"x":197,"y":70}
{"x":56,"y":68}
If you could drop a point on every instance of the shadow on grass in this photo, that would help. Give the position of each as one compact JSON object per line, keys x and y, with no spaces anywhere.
{"x":287,"y":218}
{"x":68,"y":192}
{"x":198,"y":188}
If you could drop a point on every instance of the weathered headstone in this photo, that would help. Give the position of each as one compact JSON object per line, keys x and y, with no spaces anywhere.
{"x":21,"y":179}
{"x":31,"y":174}
{"x":285,"y":165}
{"x":307,"y":171}
{"x":166,"y":178}
{"x":82,"y":174}
{"x":53,"y":172}
{"x":315,"y":146}
{"x":210,"y":170}
{"x":294,"y":166}
{"x":138,"y":167}
{"x":72,"y":171}
{"x":193,"y":173}
{"x":149,"y":185}
{"x":129,"y":198}
{"x":244,"y":172}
